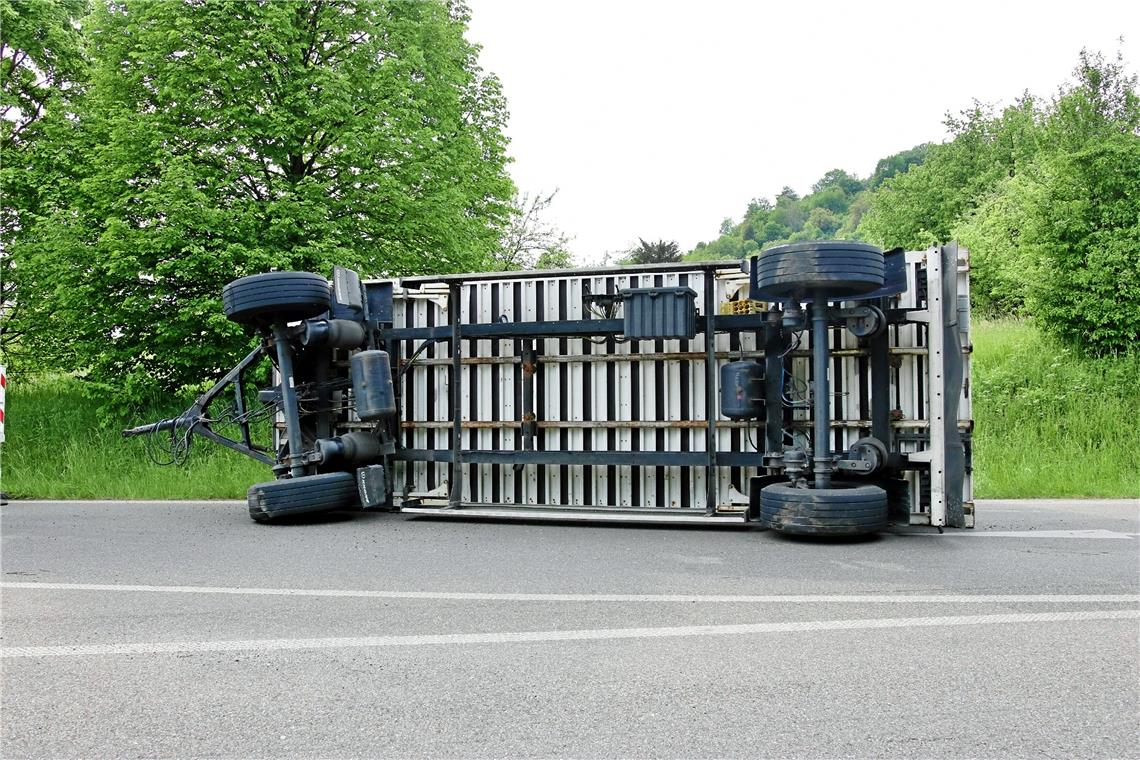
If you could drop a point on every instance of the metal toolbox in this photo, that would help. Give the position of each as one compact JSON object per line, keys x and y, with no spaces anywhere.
{"x":660,"y":312}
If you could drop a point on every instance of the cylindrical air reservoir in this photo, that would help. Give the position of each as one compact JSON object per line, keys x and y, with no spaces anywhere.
{"x":742,"y":390}
{"x":372,"y":385}
{"x":337,"y":333}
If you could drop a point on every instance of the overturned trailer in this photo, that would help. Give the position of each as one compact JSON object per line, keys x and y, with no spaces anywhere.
{"x":818,"y":388}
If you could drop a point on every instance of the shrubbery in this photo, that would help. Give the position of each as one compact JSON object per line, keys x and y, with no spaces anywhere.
{"x":1047,"y":198}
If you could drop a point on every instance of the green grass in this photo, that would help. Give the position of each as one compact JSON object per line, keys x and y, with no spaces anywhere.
{"x":1048,"y":424}
{"x":57,"y":449}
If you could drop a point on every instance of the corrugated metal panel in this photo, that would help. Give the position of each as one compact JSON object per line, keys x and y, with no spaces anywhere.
{"x":591,"y":394}
{"x":618,"y":395}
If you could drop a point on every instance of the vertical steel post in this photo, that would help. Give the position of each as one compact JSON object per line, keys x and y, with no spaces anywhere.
{"x":295,"y":459}
{"x":820,"y":414}
{"x":937,"y":308}
{"x":529,"y":428}
{"x":880,"y":366}
{"x":456,"y":476}
{"x":710,"y":392}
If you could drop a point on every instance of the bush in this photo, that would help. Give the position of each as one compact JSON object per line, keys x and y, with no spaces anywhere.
{"x":1083,"y":231}
{"x":1000,"y":270}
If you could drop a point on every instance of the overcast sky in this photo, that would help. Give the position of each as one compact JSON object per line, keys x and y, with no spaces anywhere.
{"x":659,"y":119}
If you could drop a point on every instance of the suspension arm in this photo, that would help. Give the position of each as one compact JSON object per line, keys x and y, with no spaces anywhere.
{"x":195,"y":421}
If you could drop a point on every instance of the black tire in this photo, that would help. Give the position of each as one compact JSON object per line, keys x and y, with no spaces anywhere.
{"x":842,"y":510}
{"x":295,"y":496}
{"x":275,"y":298}
{"x":839,"y":268}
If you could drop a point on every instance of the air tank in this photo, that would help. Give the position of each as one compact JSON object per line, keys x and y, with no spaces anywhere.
{"x":742,"y":390}
{"x":372,"y":385}
{"x":336,"y":333}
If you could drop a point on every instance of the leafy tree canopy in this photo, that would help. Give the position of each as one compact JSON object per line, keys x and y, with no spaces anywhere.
{"x":554,"y":258}
{"x":42,"y":66}
{"x":41,"y":54}
{"x":224,"y":138}
{"x":659,"y":252}
{"x":921,"y":206}
{"x":841,"y":180}
{"x":897,"y":164}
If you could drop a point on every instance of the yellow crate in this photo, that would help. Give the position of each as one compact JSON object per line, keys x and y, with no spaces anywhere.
{"x":743,"y":306}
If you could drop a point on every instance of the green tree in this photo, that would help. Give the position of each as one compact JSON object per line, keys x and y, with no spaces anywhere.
{"x":660,"y":252}
{"x":897,"y":164}
{"x":773,"y":232}
{"x":1101,"y":103}
{"x":41,"y":56}
{"x":788,"y":195}
{"x":789,"y":213}
{"x":554,"y":258}
{"x":1047,"y":198}
{"x":832,"y":198}
{"x":724,"y":247}
{"x":823,"y":222}
{"x":1083,"y":232}
{"x":42,"y":66}
{"x":859,"y":205}
{"x":1001,"y":268}
{"x":921,"y":206}
{"x":757,"y":205}
{"x":1082,"y":210}
{"x":1044,"y":193}
{"x":224,"y":138}
{"x":838,"y":178}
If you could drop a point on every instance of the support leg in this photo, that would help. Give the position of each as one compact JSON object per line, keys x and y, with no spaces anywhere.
{"x":295,"y":460}
{"x":820,"y":413}
{"x":456,"y":380}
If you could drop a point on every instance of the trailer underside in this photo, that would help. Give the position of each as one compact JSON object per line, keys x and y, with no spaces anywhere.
{"x":820,"y":388}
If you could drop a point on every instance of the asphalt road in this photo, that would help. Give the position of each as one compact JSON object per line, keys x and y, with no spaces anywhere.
{"x":185,"y":630}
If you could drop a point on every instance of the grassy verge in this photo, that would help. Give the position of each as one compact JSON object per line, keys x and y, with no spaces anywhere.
{"x":57,"y":448}
{"x":1048,"y":423}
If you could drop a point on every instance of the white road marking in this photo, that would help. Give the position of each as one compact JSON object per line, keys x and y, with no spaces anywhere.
{"x":528,"y":637}
{"x":1027,"y":534}
{"x":899,"y":598}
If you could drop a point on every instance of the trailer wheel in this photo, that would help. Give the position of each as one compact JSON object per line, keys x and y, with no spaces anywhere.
{"x":295,"y":496}
{"x":842,"y":510}
{"x":275,"y":297}
{"x":838,"y":267}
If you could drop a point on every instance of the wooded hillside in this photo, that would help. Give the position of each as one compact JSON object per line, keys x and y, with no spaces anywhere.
{"x":1044,"y":192}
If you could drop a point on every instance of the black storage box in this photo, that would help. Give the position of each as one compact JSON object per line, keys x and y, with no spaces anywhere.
{"x":660,"y":312}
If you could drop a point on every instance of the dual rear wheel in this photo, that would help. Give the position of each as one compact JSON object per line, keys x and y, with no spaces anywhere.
{"x":304,"y":495}
{"x":830,"y":270}
{"x":274,"y":299}
{"x":842,"y":510}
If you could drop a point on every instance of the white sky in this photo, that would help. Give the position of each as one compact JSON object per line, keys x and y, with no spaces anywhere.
{"x":659,"y":119}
